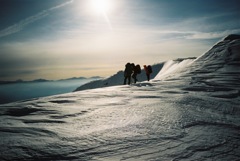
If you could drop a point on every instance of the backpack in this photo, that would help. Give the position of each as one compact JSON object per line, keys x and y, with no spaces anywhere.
{"x":138,"y":69}
{"x":149,"y":68}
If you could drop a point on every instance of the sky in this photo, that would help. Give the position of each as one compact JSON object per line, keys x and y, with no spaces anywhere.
{"x":72,"y":38}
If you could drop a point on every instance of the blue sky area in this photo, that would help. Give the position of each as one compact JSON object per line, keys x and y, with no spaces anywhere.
{"x":71,"y":38}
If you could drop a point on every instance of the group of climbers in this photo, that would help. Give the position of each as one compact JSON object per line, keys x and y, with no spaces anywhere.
{"x":132,"y":70}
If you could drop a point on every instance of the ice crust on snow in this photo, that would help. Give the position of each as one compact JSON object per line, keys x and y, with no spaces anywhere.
{"x":189,"y":111}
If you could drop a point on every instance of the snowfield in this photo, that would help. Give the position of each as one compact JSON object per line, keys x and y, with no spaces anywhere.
{"x":189,"y":111}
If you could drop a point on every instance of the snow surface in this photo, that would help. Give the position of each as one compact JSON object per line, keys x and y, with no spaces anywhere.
{"x":189,"y":111}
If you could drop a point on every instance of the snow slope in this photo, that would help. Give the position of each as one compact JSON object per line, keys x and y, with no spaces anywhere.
{"x":189,"y":111}
{"x":173,"y":67}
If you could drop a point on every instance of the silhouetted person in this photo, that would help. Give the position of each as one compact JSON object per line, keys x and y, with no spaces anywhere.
{"x":127,"y":73}
{"x":148,"y":70}
{"x":136,"y":70}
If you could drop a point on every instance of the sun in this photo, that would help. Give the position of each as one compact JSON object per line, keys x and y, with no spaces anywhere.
{"x":101,"y":6}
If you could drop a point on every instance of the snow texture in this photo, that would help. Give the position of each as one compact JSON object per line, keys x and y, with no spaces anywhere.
{"x":189,"y":111}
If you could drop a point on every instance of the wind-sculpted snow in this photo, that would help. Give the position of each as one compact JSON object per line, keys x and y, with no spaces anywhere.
{"x":218,"y":71}
{"x":193,"y":114}
{"x":173,"y":67}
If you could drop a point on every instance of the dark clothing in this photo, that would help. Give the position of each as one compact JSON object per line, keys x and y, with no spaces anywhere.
{"x":148,"y":76}
{"x":147,"y":72}
{"x":127,"y":78}
{"x":135,"y":72}
{"x":134,"y":76}
{"x":127,"y":73}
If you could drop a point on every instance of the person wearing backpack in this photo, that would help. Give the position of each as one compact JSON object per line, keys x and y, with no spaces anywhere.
{"x":148,"y":70}
{"x":127,"y":73}
{"x":136,"y":71}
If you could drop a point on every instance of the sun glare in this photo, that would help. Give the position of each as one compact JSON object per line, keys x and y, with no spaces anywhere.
{"x":101,"y":6}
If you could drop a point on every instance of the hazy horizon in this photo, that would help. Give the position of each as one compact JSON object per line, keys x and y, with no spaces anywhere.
{"x":62,"y":79}
{"x":60,"y":39}
{"x":21,"y":91}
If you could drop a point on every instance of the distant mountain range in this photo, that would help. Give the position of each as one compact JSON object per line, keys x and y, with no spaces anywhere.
{"x":45,"y":80}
